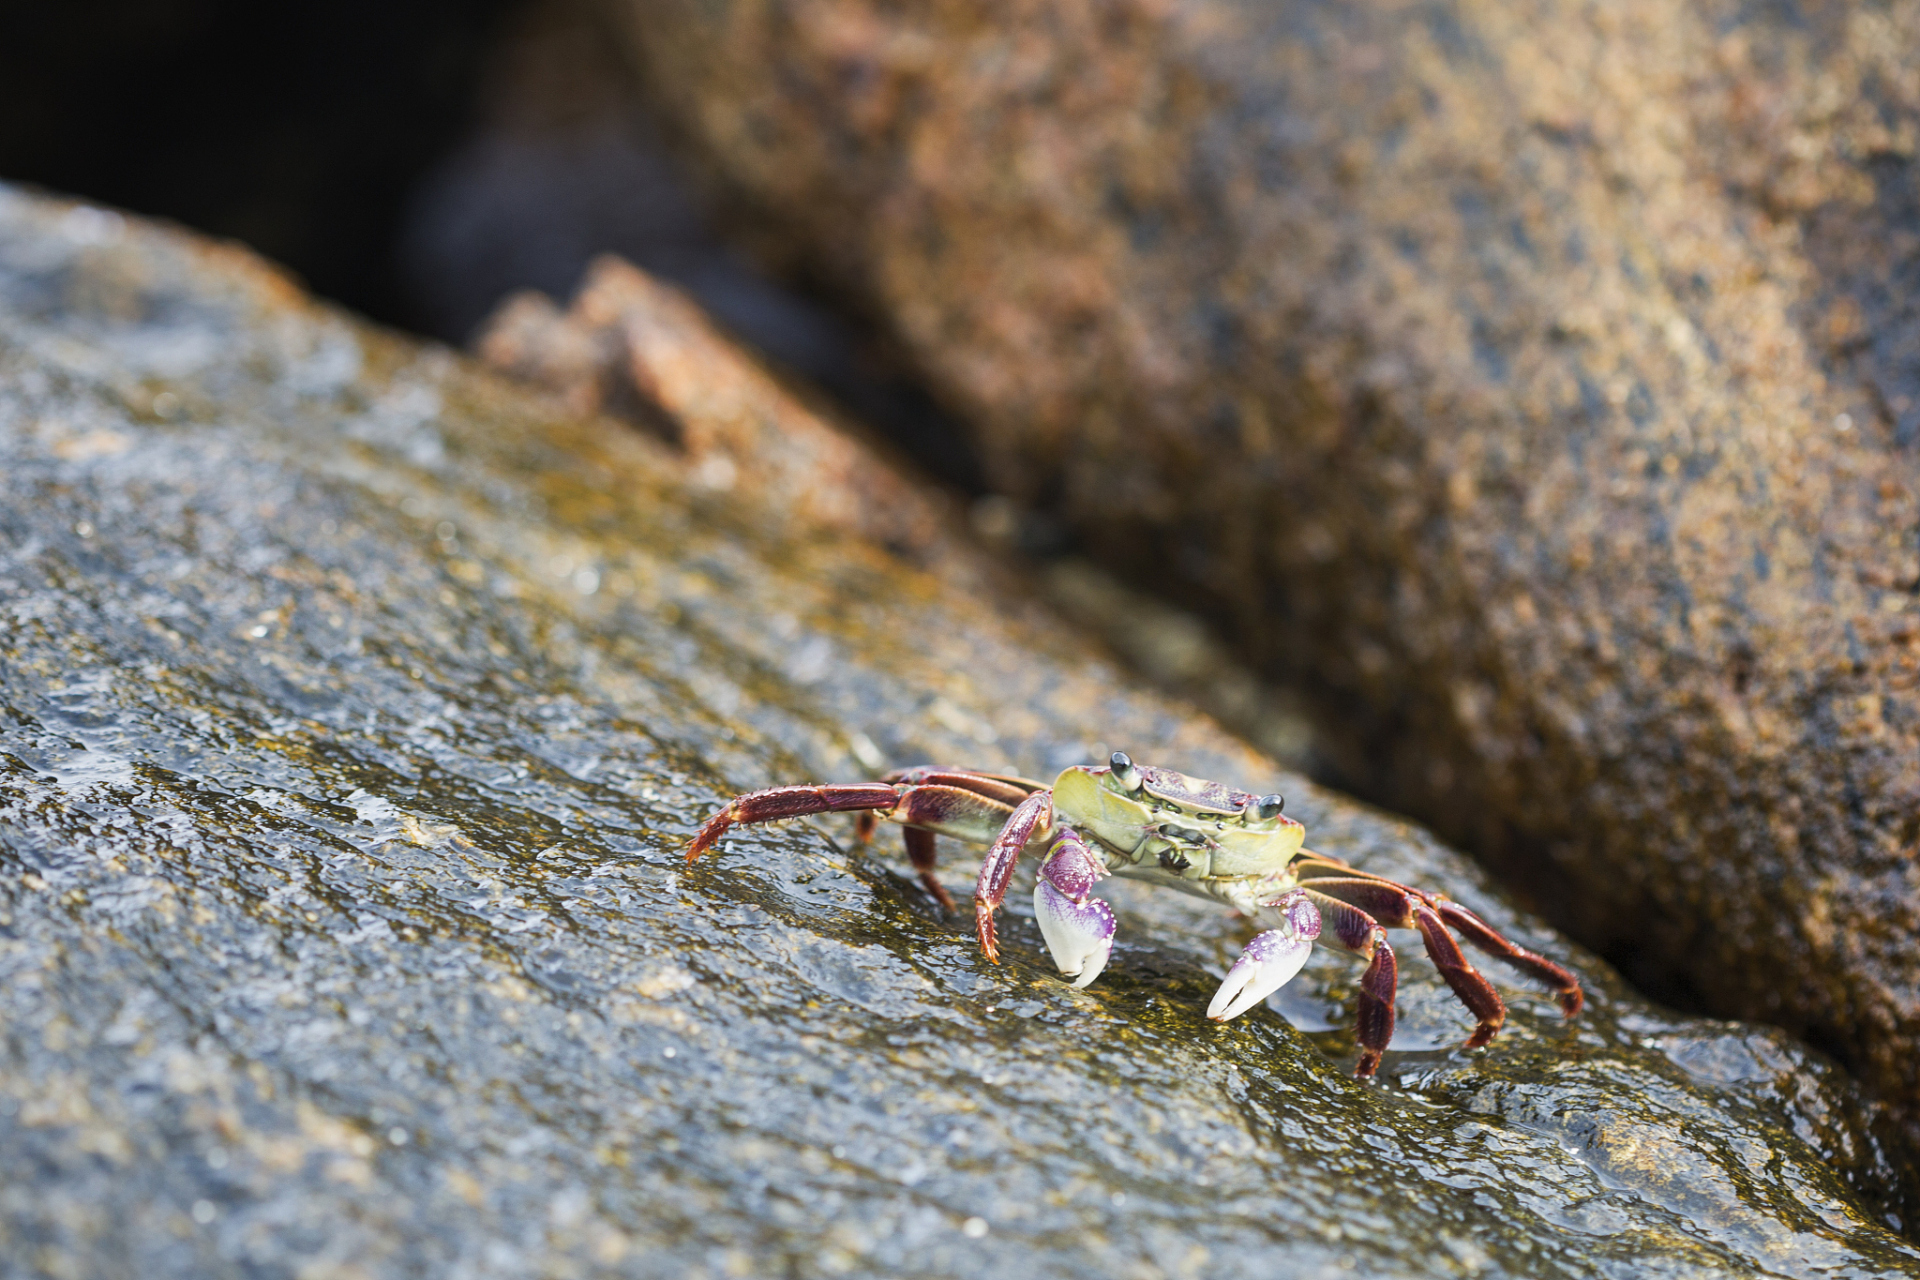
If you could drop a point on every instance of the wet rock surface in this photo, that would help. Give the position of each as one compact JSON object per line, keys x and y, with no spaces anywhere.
{"x":355,"y":707}
{"x":1531,"y":384}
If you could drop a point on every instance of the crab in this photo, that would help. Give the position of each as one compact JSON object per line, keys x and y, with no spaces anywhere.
{"x":1204,"y":838}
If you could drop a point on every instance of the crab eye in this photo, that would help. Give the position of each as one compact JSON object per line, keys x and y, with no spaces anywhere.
{"x":1124,"y":772}
{"x":1266,"y":808}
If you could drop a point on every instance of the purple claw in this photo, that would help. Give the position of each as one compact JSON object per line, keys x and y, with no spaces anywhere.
{"x":1269,"y":961}
{"x":1078,"y":928}
{"x":1079,"y":934}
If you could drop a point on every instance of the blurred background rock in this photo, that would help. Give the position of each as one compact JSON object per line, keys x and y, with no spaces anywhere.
{"x":421,"y":161}
{"x":302,"y":129}
{"x":416,"y":161}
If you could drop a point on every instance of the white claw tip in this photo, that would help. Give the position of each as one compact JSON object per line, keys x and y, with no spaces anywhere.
{"x":1079,"y":934}
{"x":1267,"y":964}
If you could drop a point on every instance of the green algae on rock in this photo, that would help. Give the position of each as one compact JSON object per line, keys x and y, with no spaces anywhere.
{"x":355,"y":708}
{"x":1530,"y":383}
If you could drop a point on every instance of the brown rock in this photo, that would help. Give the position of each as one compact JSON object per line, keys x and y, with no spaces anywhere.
{"x":635,"y":347}
{"x":1536,"y":383}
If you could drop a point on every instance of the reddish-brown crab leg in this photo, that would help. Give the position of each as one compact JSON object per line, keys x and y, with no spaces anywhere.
{"x":1379,"y":902}
{"x":792,"y":802}
{"x":1394,"y":907}
{"x":1565,"y":987}
{"x":926,"y":809}
{"x":1005,"y":788}
{"x":1320,"y":870}
{"x":920,"y":849}
{"x":1361,"y":933}
{"x":1032,"y":820}
{"x":965,"y":814}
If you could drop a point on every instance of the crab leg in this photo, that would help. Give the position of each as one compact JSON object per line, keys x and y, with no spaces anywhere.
{"x":1032,"y":821}
{"x":1374,"y":1028}
{"x":952,"y":811}
{"x":920,"y":848}
{"x":1394,"y":907}
{"x":1473,"y":990}
{"x":1380,"y":902}
{"x":1361,"y":933}
{"x":1005,"y":788}
{"x":792,"y":802}
{"x":1319,"y":871}
{"x":1566,"y":988}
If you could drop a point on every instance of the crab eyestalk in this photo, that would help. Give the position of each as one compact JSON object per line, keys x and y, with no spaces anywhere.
{"x":1270,"y":960}
{"x":1078,"y":927}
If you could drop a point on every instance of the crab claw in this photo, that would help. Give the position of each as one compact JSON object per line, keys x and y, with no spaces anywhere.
{"x":1079,"y":934}
{"x":1269,"y":961}
{"x":1077,"y":926}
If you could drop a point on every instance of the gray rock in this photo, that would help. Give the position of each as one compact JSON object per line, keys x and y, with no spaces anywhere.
{"x":355,"y":707}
